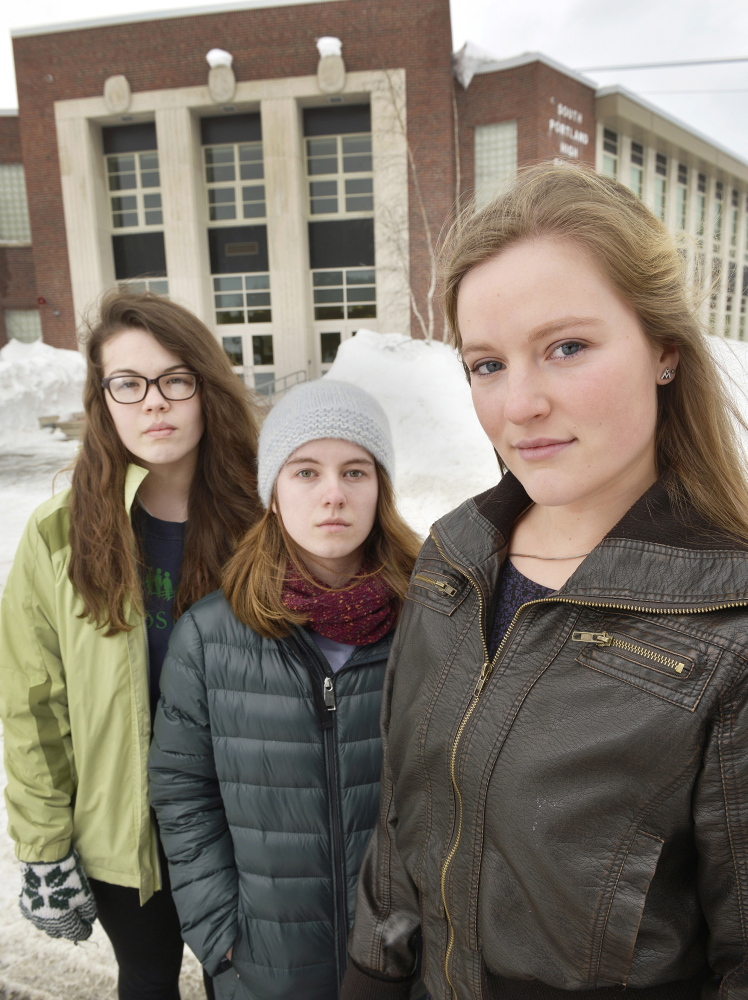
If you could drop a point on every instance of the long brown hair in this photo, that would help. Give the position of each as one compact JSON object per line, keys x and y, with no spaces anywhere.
{"x":696,"y":438}
{"x":104,"y":562}
{"x":253,"y":579}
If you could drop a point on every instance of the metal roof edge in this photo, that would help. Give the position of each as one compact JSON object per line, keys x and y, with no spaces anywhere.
{"x":160,"y":15}
{"x":616,"y":88}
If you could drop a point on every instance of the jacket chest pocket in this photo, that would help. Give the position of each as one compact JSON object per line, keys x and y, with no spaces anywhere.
{"x":436,"y":587}
{"x":655,"y":658}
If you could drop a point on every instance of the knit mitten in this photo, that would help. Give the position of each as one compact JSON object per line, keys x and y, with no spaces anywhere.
{"x":57,"y":898}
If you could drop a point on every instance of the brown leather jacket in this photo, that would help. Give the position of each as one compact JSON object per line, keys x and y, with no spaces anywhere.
{"x":575,"y":812}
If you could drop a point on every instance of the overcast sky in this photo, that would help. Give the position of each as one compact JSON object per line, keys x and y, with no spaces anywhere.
{"x":577,"y":33}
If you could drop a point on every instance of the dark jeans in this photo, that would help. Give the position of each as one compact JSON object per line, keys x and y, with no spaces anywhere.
{"x":146,"y":939}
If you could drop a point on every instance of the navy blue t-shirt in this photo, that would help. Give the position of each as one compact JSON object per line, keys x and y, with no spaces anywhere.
{"x":514,"y":591}
{"x":162,"y":545}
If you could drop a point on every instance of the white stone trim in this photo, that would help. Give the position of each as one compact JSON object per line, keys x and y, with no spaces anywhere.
{"x":176,"y":113}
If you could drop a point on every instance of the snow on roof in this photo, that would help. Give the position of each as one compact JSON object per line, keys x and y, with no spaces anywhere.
{"x":472,"y":59}
{"x":159,"y":15}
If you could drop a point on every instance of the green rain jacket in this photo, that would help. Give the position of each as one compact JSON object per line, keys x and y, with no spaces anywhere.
{"x":76,"y":715}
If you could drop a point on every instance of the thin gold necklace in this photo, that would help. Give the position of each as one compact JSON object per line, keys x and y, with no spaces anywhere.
{"x":526,"y":555}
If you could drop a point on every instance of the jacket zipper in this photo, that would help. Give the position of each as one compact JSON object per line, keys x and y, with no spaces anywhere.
{"x":485,"y":674}
{"x":439,"y":584}
{"x":341,"y":900}
{"x":605,"y":639}
{"x":328,"y":689}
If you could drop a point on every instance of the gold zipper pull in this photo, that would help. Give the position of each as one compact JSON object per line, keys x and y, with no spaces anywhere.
{"x":599,"y":638}
{"x":483,"y":679}
{"x":444,"y":587}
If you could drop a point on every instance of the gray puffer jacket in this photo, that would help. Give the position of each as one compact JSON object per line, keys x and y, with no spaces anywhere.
{"x":265,"y":780}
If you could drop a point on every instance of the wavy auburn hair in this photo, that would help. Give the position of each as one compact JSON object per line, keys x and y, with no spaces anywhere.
{"x":105,"y":563}
{"x":697,"y":450}
{"x":254,"y":577}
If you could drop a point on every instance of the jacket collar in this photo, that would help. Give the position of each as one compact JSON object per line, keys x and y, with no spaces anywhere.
{"x":133,"y":478}
{"x":656,"y":557}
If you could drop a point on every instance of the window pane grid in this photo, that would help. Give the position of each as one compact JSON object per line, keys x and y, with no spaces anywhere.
{"x":637,"y":180}
{"x":138,"y":175}
{"x":495,"y":159}
{"x":718,"y":210}
{"x":682,"y":206}
{"x":23,"y":324}
{"x":14,"y":212}
{"x":660,"y":196}
{"x":335,"y":158}
{"x":242,"y":298}
{"x":159,"y":286}
{"x":344,"y":294}
{"x":226,"y":168}
{"x":610,"y":153}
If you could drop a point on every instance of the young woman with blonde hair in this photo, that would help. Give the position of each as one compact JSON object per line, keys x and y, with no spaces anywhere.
{"x":266,"y":754}
{"x":162,"y":490}
{"x":565,"y":800}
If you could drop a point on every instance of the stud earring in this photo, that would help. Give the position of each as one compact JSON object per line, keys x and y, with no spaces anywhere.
{"x":667,"y":374}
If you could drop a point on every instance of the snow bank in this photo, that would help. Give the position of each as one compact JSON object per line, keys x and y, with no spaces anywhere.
{"x":36,"y":380}
{"x":442,"y":456}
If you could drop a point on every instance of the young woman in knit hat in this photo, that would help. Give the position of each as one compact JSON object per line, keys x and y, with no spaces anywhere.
{"x":266,"y":755}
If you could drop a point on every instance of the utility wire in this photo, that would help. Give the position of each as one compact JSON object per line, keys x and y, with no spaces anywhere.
{"x":662,"y":65}
{"x":739,"y":90}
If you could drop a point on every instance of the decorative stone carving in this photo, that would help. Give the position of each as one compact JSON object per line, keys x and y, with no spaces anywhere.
{"x":117,"y":94}
{"x":330,"y":68}
{"x":221,"y":84}
{"x":221,"y":79}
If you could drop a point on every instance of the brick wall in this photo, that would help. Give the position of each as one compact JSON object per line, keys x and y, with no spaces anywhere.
{"x":531,"y":95}
{"x":266,"y":43}
{"x":10,"y":139}
{"x":17,"y":279}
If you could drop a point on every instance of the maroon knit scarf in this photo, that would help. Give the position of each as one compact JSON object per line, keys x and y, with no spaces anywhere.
{"x":358,"y":615}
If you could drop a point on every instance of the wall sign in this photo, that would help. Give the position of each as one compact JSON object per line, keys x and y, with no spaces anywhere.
{"x":569,"y":137}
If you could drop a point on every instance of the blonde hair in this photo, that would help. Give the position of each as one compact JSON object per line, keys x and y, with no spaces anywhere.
{"x":696,"y":440}
{"x":254,"y":577}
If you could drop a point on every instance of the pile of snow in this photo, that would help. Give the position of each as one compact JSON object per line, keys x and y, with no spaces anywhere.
{"x":442,"y":456}
{"x":37,"y":380}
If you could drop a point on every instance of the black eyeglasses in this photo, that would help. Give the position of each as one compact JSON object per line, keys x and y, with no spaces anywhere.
{"x":173,"y":386}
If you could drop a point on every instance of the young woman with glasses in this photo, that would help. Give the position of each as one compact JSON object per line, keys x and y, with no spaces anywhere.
{"x":163,"y":488}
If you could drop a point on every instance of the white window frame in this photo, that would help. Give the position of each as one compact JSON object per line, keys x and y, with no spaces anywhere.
{"x":340,"y":177}
{"x":252,"y":287}
{"x":147,"y":197}
{"x":235,"y":187}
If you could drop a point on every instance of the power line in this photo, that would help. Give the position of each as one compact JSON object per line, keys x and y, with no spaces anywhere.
{"x":663,"y":65}
{"x":739,"y":90}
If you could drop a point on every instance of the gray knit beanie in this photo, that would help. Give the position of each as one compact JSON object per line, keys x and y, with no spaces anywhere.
{"x":321,"y":409}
